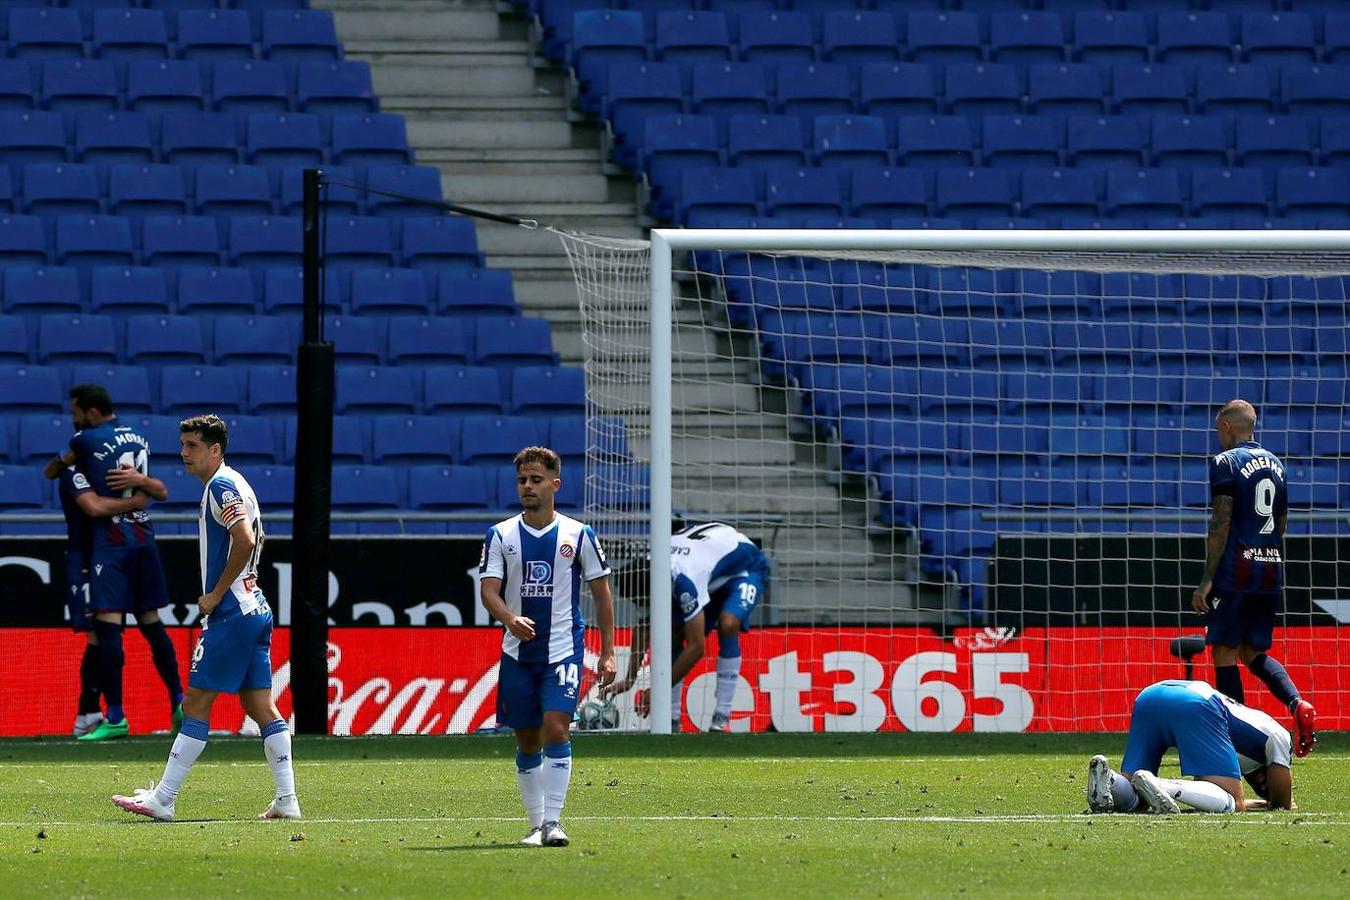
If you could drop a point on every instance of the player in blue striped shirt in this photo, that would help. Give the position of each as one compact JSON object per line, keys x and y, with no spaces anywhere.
{"x":1240,"y":591}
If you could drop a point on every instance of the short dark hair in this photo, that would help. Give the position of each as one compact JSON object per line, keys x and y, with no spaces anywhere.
{"x":211,"y":427}
{"x":92,"y":396}
{"x":547,"y":458}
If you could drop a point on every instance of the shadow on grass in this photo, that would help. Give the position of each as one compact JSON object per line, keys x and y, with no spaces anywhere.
{"x":457,"y":848}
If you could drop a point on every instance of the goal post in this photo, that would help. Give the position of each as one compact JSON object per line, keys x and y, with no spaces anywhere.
{"x":889,"y":515}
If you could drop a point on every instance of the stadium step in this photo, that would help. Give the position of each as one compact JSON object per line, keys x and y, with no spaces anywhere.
{"x":393,"y":82}
{"x":535,"y":190}
{"x":443,"y":26}
{"x":509,"y":162}
{"x":485,"y":135}
{"x":440,"y":53}
{"x":512,"y":239}
{"x":484,"y":109}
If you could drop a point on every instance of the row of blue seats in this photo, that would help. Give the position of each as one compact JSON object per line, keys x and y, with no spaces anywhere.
{"x":203,"y":138}
{"x":1147,"y":7}
{"x":349,"y":242}
{"x":155,"y":86}
{"x":134,"y":189}
{"x":708,"y":194}
{"x":275,"y":292}
{"x":357,"y":440}
{"x":141,"y":340}
{"x":904,"y":340}
{"x":832,"y":393}
{"x":361,"y":389}
{"x":870,"y":445}
{"x":295,"y":35}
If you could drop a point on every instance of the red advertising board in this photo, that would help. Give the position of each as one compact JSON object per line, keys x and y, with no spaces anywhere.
{"x":443,"y":680}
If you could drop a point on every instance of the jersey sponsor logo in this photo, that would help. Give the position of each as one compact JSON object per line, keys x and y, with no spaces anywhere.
{"x":566,"y":551}
{"x":1263,"y":554}
{"x":538,"y":579}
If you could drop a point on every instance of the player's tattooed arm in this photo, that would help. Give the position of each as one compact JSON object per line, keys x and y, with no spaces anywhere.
{"x":96,"y":507}
{"x":1219,"y":520}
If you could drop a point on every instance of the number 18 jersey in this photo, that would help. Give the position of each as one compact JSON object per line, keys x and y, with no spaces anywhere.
{"x":1252,"y":559}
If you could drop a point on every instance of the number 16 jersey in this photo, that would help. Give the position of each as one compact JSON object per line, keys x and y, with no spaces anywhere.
{"x":1252,"y":560}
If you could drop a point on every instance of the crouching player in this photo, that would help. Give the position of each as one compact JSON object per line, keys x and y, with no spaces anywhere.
{"x":1218,"y":739}
{"x":718,"y":578}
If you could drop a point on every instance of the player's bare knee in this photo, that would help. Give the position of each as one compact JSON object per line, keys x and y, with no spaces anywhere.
{"x":113,"y":618}
{"x":728,"y":626}
{"x":149,"y":617}
{"x":528,"y":740}
{"x":1224,"y":656}
{"x":197,"y":703}
{"x":1247,"y":653}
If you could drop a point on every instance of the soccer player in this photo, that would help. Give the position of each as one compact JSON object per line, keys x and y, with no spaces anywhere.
{"x":233,"y":654}
{"x":531,"y":572}
{"x":1240,"y":589}
{"x":125,"y":572}
{"x":718,"y":577}
{"x":1218,"y":739}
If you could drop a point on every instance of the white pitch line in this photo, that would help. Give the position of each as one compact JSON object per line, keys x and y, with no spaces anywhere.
{"x":1030,"y":818}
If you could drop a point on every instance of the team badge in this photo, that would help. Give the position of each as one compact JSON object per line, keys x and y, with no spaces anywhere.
{"x":566,"y":551}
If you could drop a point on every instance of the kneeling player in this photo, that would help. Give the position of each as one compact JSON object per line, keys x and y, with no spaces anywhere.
{"x":1218,"y":739}
{"x":718,"y":578}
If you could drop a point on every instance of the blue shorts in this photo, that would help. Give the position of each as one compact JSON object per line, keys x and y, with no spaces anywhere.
{"x":77,"y":593}
{"x":1169,"y":714}
{"x":126,"y":580}
{"x":1236,"y":618}
{"x":233,"y":654}
{"x":739,"y":597}
{"x":525,"y":691}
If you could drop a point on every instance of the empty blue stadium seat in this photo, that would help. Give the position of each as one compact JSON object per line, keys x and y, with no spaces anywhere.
{"x":207,"y":291}
{"x":1273,"y":142}
{"x":64,"y":338}
{"x":375,"y":389}
{"x":180,"y":241}
{"x":501,"y":341}
{"x":981,"y":89}
{"x":808,"y":90}
{"x":40,"y":438}
{"x":375,"y":139}
{"x":271,"y":390}
{"x":459,"y":390}
{"x":152,"y":339}
{"x":934,"y":142}
{"x":726,"y":89}
{"x":1335,"y":140}
{"x":336,"y":197}
{"x":1066,"y":89}
{"x":854,"y":36}
{"x":22,"y":242}
{"x":1316,"y":90}
{"x":266,"y":242}
{"x":58,"y":189}
{"x":253,"y":441}
{"x":897,"y":89}
{"x":356,"y":340}
{"x":130,"y":34}
{"x":1021,"y":142}
{"x":448,"y":489}
{"x":774,"y":37}
{"x":381,"y":291}
{"x":1189,"y":142}
{"x":1026,"y":38}
{"x":889,"y":193}
{"x":41,"y":289}
{"x":1194,"y":38}
{"x":410,"y":181}
{"x":944,"y":37}
{"x":1228,"y":192}
{"x":353,"y":242}
{"x":14,"y":344}
{"x":45,"y":34}
{"x":94,"y":241}
{"x":285,"y":139}
{"x":249,"y":86}
{"x":672,"y":143}
{"x":1323,"y":194}
{"x":477,"y":292}
{"x":601,"y":37}
{"x":1057,"y":295}
{"x":330,"y":88}
{"x":495,"y":440}
{"x":853,"y":142}
{"x":688,"y":36}
{"x":225,"y":191}
{"x":423,"y":341}
{"x":1278,"y":39}
{"x":706,"y":195}
{"x":1224,"y":299}
{"x":145,"y":190}
{"x":18,"y":89}
{"x":31,"y":137}
{"x":300,"y":36}
{"x":1105,"y":141}
{"x":189,"y":138}
{"x":1110,"y":38}
{"x":439,"y":242}
{"x":364,"y":489}
{"x":1233,"y":90}
{"x":765,"y":142}
{"x":22,"y":490}
{"x":31,"y":389}
{"x":252,"y":340}
{"x":214,"y":34}
{"x":636,"y":90}
{"x":547,"y":390}
{"x":112,"y":138}
{"x":1149,"y":89}
{"x":968,"y":194}
{"x":190,"y":390}
{"x":413,"y":440}
{"x":802,"y":192}
{"x":165,"y":86}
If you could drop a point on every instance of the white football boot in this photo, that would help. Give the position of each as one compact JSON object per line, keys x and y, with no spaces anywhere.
{"x":1151,"y":791}
{"x":142,"y":802}
{"x":1099,"y":786}
{"x":287,"y":807}
{"x":720,"y":724}
{"x":85,"y":723}
{"x":554,"y":836}
{"x":535,"y":838}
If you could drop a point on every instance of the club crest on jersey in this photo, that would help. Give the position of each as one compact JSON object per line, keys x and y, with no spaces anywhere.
{"x":538,"y":579}
{"x":566,"y":551}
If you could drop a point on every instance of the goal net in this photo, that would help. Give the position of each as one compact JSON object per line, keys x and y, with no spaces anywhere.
{"x":976,"y":460}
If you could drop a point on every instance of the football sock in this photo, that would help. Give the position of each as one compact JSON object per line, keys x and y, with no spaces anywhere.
{"x":530,"y":777}
{"x":1122,"y":793}
{"x":110,"y":662}
{"x":728,"y":673}
{"x":1228,"y":680}
{"x":89,"y":692}
{"x":277,"y":748}
{"x":1276,"y":678}
{"x":189,"y":744}
{"x":166,"y":660}
{"x":1202,"y":795}
{"x":557,"y":775}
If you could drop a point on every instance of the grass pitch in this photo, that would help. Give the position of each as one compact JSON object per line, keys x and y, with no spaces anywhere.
{"x":693,"y":815}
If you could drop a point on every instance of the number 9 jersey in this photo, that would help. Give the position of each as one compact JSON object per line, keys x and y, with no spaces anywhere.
{"x":1252,"y":560}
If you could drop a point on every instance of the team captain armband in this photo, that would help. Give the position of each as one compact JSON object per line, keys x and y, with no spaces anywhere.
{"x":231,"y":507}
